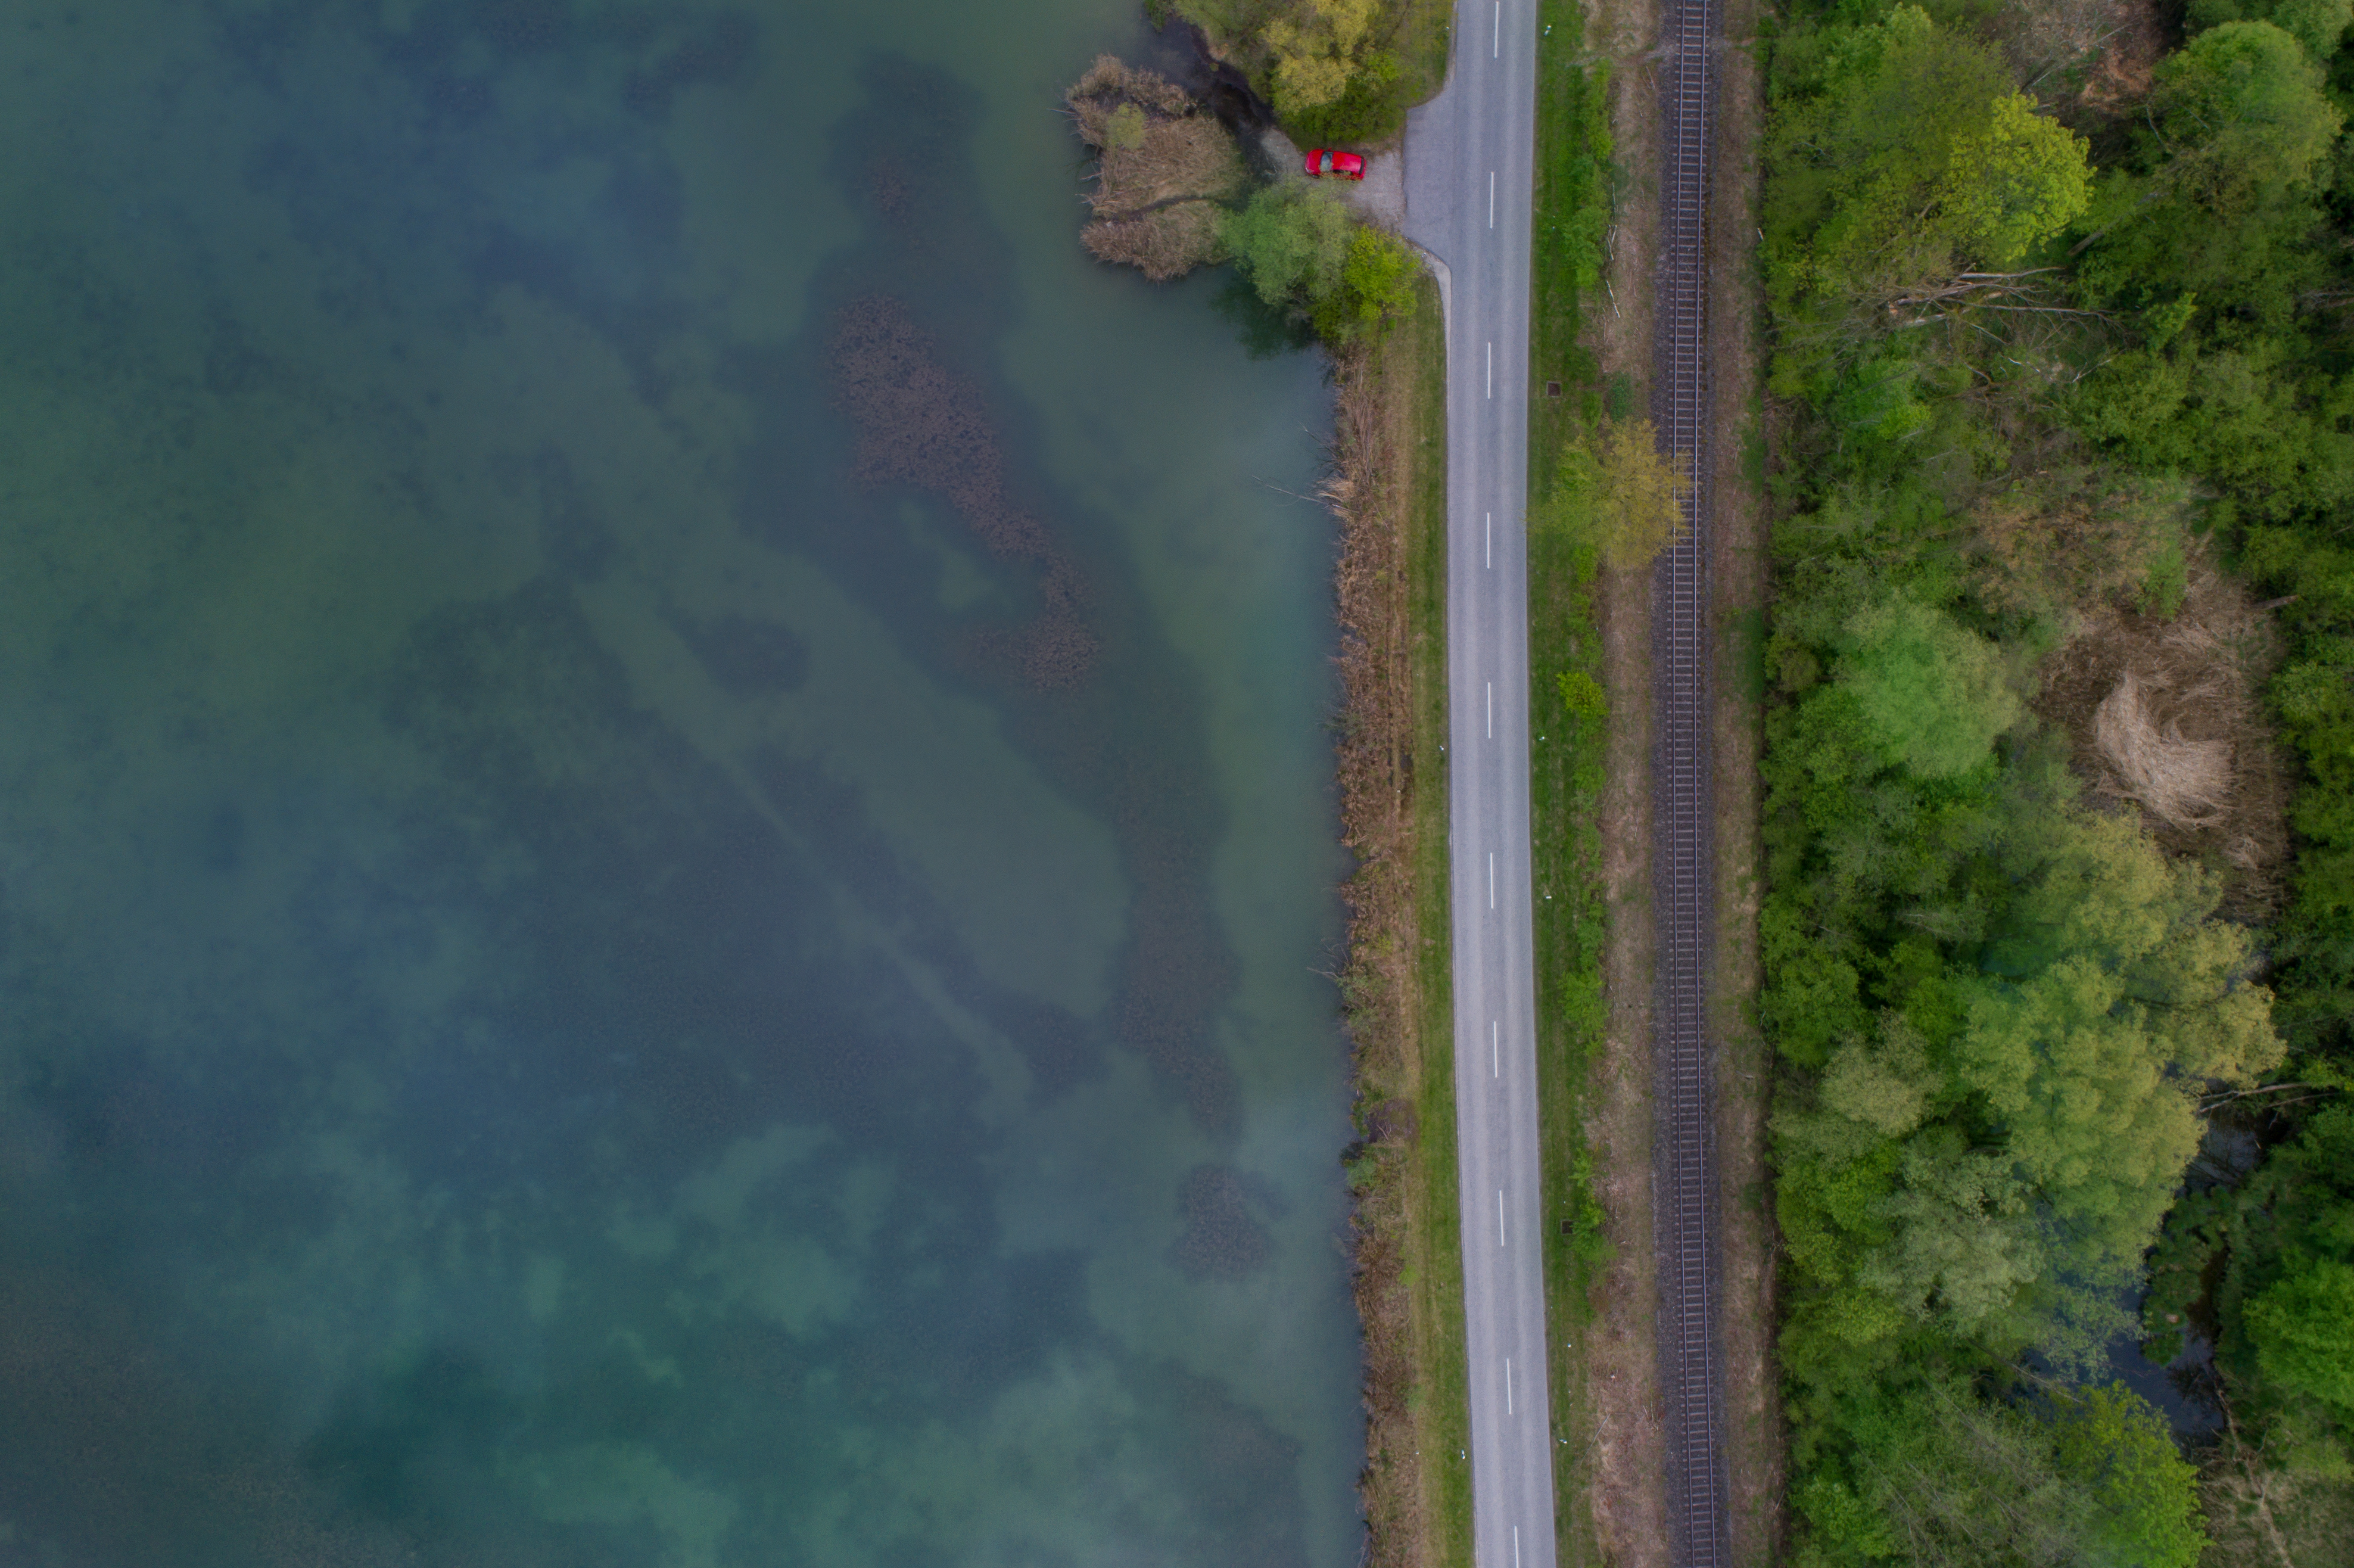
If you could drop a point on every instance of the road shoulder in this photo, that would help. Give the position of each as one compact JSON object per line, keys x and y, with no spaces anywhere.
{"x":1596,"y":1070}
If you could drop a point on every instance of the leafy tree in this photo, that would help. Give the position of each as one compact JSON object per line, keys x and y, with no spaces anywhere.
{"x":1292,"y":241}
{"x":1377,"y":282}
{"x":1931,"y":692}
{"x":2122,"y":997}
{"x":2302,"y":1331}
{"x":1317,"y":48}
{"x":2240,"y":129}
{"x":1617,"y":494}
{"x":2243,"y":116}
{"x":1583,"y":696}
{"x":2319,"y":25}
{"x":1305,"y":254}
{"x":1124,"y":128}
{"x":1958,"y":1478}
{"x":1907,"y":155}
{"x":1961,"y":1246}
{"x":2012,"y":183}
{"x":2143,"y":1503}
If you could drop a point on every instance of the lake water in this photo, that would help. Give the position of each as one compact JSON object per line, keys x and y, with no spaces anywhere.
{"x":666,"y":834}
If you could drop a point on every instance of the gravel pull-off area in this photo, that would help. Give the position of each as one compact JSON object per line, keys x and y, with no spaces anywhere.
{"x":1380,"y":195}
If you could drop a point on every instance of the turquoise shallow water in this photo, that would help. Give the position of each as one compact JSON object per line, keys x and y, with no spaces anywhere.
{"x":665,"y":823}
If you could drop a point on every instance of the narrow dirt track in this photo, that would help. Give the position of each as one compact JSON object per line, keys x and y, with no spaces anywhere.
{"x":1684,"y":848}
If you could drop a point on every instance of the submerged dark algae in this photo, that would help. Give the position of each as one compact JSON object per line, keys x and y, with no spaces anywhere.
{"x":659,"y":870}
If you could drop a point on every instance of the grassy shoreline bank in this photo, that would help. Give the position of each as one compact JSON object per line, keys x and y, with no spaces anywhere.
{"x":1390,"y":491}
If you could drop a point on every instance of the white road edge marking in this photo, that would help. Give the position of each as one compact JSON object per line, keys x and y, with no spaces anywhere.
{"x":1491,"y":879}
{"x":1495,"y":1049}
{"x":1496,"y":44}
{"x":1508,"y":1385}
{"x":1491,"y":710}
{"x":1516,"y":1546}
{"x":1500,"y":1216}
{"x":1491,"y":370}
{"x":1492,"y":198}
{"x":1491,"y":537}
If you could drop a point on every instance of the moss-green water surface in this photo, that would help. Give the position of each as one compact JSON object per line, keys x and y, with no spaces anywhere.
{"x":665,"y":835}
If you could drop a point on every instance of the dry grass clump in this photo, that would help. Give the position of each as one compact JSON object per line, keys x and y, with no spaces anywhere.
{"x":2105,"y":50}
{"x":1375,"y":769}
{"x":1368,"y":490}
{"x":2184,"y":783}
{"x":2068,"y":536}
{"x":1164,"y":167}
{"x":1162,"y":245}
{"x":2168,"y":712}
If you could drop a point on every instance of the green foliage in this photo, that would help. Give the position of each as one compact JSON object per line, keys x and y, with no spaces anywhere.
{"x":1291,"y":240}
{"x":2242,"y":116}
{"x":2012,"y":183}
{"x":1903,"y":155}
{"x":1377,"y":286}
{"x":1941,"y":1475}
{"x":1124,"y":130}
{"x":1931,"y":693}
{"x":1583,"y":696}
{"x":2318,"y":25}
{"x":1335,"y":70}
{"x":2269,"y":1265}
{"x":2302,"y":1327}
{"x":1305,"y":254}
{"x":2143,"y":1509}
{"x":1998,"y":1009}
{"x":1615,"y":496}
{"x":2220,"y":195}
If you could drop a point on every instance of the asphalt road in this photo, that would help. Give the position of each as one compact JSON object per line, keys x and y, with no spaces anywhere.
{"x":1469,"y":153}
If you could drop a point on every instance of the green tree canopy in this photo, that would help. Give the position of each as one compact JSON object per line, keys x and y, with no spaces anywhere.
{"x":2117,"y":996}
{"x":1616,"y":493}
{"x":2144,"y":1500}
{"x":2319,"y":25}
{"x":1905,"y":153}
{"x":1304,"y":252}
{"x":2302,"y":1331}
{"x":1931,"y":691}
{"x":2242,"y":114}
{"x":1377,"y":280}
{"x":2013,"y":183}
{"x":1291,"y":240}
{"x":1946,"y":1476}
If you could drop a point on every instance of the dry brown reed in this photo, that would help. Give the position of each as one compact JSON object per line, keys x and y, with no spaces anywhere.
{"x":1367,"y":490}
{"x":1164,"y":167}
{"x":2168,"y":713}
{"x":2184,"y":783}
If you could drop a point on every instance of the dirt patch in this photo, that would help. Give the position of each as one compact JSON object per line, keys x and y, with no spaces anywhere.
{"x":2094,"y":56}
{"x":1742,"y":1070}
{"x":2167,"y":715}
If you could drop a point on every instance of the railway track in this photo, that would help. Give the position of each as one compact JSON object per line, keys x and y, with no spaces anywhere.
{"x":1684,"y":845}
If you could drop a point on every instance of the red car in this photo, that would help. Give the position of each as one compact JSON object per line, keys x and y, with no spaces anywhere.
{"x":1347,"y":166}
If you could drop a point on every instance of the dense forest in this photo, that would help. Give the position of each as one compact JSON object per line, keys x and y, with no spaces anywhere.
{"x":2060,"y":774}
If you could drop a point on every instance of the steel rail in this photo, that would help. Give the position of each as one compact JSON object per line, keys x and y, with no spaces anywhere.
{"x":1684,"y":845}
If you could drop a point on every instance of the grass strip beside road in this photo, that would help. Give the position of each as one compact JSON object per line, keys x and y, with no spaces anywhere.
{"x":1448,"y":1407}
{"x":1568,"y":713}
{"x":1391,"y":494}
